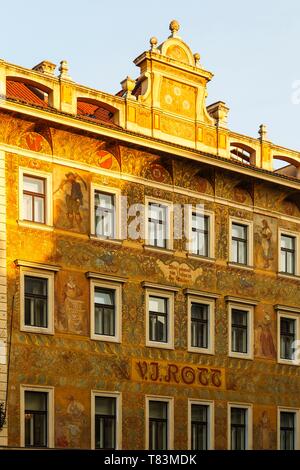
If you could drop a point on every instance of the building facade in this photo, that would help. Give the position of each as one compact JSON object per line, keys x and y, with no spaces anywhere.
{"x":182,"y":337}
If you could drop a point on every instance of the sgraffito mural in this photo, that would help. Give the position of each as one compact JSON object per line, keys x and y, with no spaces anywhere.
{"x":265,"y":241}
{"x":71,"y":196}
{"x":74,"y":364}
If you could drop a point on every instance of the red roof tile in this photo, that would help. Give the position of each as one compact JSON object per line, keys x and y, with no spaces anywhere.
{"x":21,"y":91}
{"x":92,"y":111}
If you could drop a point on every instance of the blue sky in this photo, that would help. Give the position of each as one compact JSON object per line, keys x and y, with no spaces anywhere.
{"x":251,"y":47}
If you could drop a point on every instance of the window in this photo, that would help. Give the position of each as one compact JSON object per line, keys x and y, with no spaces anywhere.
{"x":201,"y":313}
{"x":239,"y":243}
{"x":159,"y":422}
{"x":200,"y":425}
{"x":104,"y":215}
{"x":159,"y":318}
{"x":104,"y":311}
{"x":37,"y":424}
{"x":288,"y":332}
{"x":201,"y":229}
{"x":288,"y":425}
{"x":35,"y":197}
{"x":200,"y":234}
{"x":106,"y":420}
{"x":105,"y":423}
{"x":158,"y":224}
{"x":240,"y":331}
{"x":106,"y":302}
{"x":287,"y":254}
{"x":240,"y":427}
{"x":37,"y":300}
{"x":287,"y":430}
{"x":105,"y":212}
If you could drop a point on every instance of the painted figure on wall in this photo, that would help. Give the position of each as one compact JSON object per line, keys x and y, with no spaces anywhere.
{"x":73,"y":198}
{"x":72,"y":312}
{"x":264,"y":343}
{"x":264,"y":239}
{"x":264,"y":431}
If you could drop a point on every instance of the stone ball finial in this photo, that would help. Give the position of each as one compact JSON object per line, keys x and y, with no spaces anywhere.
{"x":197,"y":58}
{"x":174,"y":27}
{"x":153,"y":43}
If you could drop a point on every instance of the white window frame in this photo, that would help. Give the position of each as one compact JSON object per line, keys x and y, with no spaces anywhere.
{"x":118,"y":397}
{"x":211,"y":324}
{"x":170,"y":427}
{"x":50,"y":411}
{"x":250,"y":330}
{"x":48,"y":198}
{"x":113,"y":192}
{"x":211,"y":232}
{"x":169,"y":222}
{"x":249,"y":225}
{"x":249,"y":425}
{"x":293,"y":316}
{"x":211,"y":421}
{"x":44,"y":274}
{"x":297,"y":425}
{"x":296,"y":235}
{"x":156,"y":292}
{"x":117,"y":287}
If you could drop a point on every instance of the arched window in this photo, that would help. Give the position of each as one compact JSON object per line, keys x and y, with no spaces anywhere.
{"x":27,"y":91}
{"x":242,"y":153}
{"x":96,"y":110}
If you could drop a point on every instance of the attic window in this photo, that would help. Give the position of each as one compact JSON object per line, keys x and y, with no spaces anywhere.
{"x":241,"y":155}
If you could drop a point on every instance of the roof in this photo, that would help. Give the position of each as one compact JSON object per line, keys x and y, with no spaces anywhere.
{"x":27,"y":94}
{"x":22,"y":92}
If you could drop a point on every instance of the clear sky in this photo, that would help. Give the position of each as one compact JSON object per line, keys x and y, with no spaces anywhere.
{"x":253,"y":48}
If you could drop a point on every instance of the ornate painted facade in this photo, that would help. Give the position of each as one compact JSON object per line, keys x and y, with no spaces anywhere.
{"x":156,"y":139}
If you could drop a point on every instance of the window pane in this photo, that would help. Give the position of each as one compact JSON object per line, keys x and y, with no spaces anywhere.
{"x":36,"y":401}
{"x":105,"y":406}
{"x":290,"y":263}
{"x":157,"y":225}
{"x":33,"y":185}
{"x":235,"y":251}
{"x":158,"y":409}
{"x":239,"y":231}
{"x":36,"y":285}
{"x":157,"y":304}
{"x":27,"y":207}
{"x":287,"y":242}
{"x":158,"y":327}
{"x":39,"y":209}
{"x":104,"y":297}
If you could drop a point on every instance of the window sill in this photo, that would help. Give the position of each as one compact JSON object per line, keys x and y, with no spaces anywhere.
{"x":106,"y":240}
{"x":232,"y":264}
{"x":208,"y":352}
{"x":167,"y":251}
{"x":154,"y":344}
{"x":248,"y":357}
{"x":37,"y":330}
{"x":206,"y":259}
{"x":35,"y":225}
{"x":296,"y":277}
{"x":106,"y":339}
{"x":287,"y":362}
